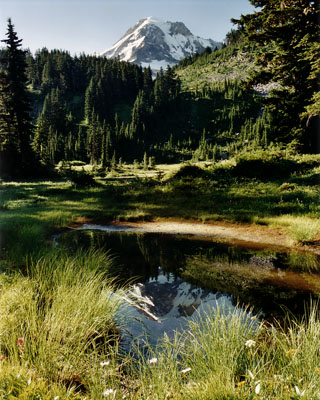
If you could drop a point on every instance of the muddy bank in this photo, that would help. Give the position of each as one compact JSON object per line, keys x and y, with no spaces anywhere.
{"x":244,"y":234}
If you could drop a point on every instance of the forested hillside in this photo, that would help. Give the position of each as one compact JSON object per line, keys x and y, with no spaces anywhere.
{"x":97,"y":110}
{"x":212,"y":105}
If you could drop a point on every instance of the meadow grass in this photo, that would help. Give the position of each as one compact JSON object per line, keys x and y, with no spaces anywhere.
{"x":58,"y":341}
{"x":33,"y":210}
{"x":59,"y":321}
{"x":222,"y":355}
{"x":227,"y":355}
{"x":61,"y":317}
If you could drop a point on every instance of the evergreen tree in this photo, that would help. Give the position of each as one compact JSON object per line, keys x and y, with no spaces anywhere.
{"x":94,"y":139}
{"x":288,"y":34}
{"x":48,"y":77}
{"x":145,"y":161}
{"x":233,"y":36}
{"x":159,"y":89}
{"x":15,"y":124}
{"x":105,"y":145}
{"x":80,"y":145}
{"x":6,"y":140}
{"x":139,"y":116}
{"x":114,"y":160}
{"x":54,"y":116}
{"x":90,"y":100}
{"x":147,"y":80}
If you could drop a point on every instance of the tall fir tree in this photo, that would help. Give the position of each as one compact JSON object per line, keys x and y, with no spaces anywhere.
{"x":287,"y":32}
{"x":54,"y":116}
{"x":15,"y":124}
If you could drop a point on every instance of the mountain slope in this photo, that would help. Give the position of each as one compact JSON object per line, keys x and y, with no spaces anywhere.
{"x":157,"y":43}
{"x":232,"y":62}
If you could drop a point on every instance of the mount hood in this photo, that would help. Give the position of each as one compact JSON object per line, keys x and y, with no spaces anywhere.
{"x":158,"y":44}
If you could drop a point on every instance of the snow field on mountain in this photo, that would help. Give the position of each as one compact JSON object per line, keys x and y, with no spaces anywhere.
{"x":157,"y":43}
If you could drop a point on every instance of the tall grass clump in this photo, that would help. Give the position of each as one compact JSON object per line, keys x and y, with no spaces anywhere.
{"x":59,"y":319}
{"x":305,"y":230}
{"x":231,"y":355}
{"x":205,"y":361}
{"x":291,"y":358}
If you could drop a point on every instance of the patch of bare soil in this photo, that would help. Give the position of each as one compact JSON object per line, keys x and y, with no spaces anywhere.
{"x":244,"y":234}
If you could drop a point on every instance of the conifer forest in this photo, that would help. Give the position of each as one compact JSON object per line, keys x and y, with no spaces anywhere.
{"x":57,"y":107}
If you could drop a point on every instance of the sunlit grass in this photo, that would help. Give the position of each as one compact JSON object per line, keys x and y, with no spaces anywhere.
{"x":303,"y":229}
{"x":233,"y":356}
{"x":59,"y":321}
{"x":70,"y":319}
{"x":291,"y":205}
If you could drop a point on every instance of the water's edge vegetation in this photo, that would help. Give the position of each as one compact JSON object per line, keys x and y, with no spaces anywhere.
{"x":61,"y":326}
{"x":61,"y":315}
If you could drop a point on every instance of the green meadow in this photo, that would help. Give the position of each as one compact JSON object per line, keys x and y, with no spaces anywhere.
{"x":62,"y":315}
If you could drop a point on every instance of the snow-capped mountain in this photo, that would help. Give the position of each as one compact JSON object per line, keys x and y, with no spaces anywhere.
{"x":158,"y":44}
{"x":166,"y":304}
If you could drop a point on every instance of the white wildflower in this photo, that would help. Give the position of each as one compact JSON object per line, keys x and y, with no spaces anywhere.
{"x":257,"y":389}
{"x":29,"y":381}
{"x":184,"y":371}
{"x":56,"y":398}
{"x":250,"y":343}
{"x":250,"y":374}
{"x":109,"y":392}
{"x":104,"y":363}
{"x":299,"y":393}
{"x":153,"y":360}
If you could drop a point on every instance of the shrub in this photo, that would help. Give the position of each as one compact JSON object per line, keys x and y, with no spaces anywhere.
{"x":262,"y":168}
{"x":266,"y":164}
{"x":190,"y":171}
{"x":79,"y":179}
{"x":287,"y":187}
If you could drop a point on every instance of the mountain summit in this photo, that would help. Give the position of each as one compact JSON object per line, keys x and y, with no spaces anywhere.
{"x":158,"y":43}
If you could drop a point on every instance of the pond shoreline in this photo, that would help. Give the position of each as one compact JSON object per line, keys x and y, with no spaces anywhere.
{"x":245,"y":235}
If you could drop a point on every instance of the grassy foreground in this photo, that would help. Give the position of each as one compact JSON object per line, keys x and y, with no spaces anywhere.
{"x":61,"y":316}
{"x":60,"y":339}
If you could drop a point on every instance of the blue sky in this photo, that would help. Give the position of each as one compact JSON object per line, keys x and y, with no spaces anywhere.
{"x":95,"y":25}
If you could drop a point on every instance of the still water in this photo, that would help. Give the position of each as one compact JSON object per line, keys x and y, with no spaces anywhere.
{"x":183,"y":276}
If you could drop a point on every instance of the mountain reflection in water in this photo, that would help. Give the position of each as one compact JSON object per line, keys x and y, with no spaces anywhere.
{"x":184,"y":276}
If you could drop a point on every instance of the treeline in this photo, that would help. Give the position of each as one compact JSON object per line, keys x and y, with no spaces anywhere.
{"x":48,"y":70}
{"x":103,"y":111}
{"x":81,"y":96}
{"x":88,"y":108}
